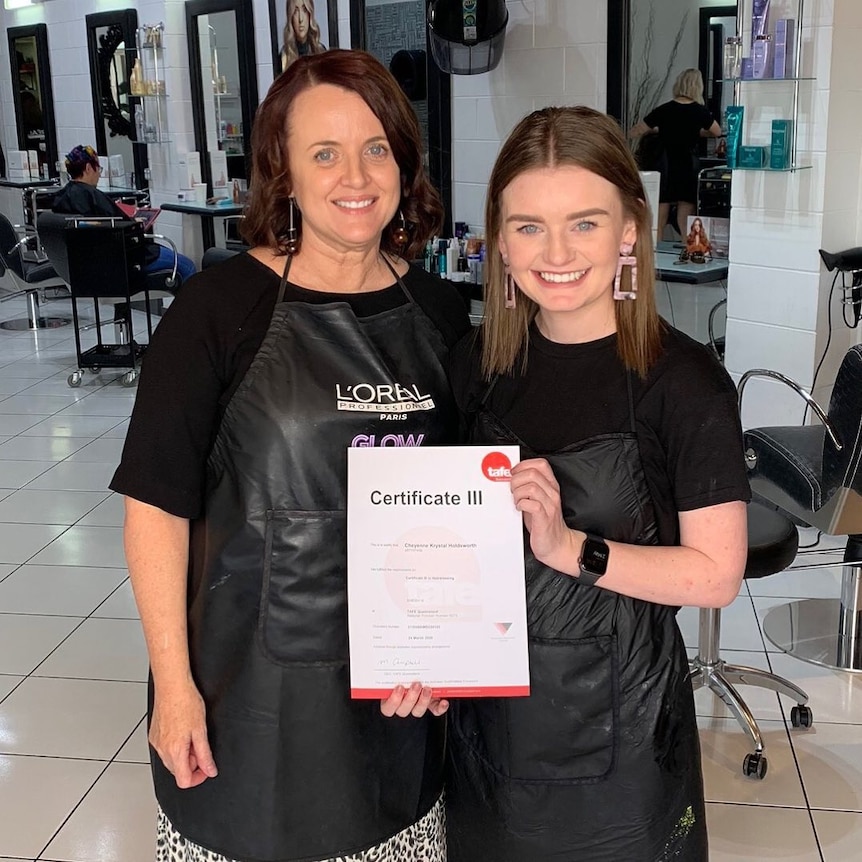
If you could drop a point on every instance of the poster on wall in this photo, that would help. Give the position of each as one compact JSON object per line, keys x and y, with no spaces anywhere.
{"x":301,"y":27}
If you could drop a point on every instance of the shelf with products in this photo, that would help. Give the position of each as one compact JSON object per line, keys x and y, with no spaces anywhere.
{"x":147,"y":86}
{"x":767,"y":50}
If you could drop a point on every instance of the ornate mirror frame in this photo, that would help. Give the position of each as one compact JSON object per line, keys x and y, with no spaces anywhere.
{"x":121,"y":29}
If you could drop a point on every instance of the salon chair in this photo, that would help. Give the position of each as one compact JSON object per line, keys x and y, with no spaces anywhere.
{"x":772,"y":544}
{"x":159,"y":283}
{"x":31,"y":278}
{"x":811,"y":473}
{"x":213,"y":256}
{"x":102,"y":259}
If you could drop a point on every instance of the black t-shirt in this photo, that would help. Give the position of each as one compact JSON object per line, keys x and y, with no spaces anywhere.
{"x":76,"y":198}
{"x":679,"y":126}
{"x":199,"y":355}
{"x":686,"y":415}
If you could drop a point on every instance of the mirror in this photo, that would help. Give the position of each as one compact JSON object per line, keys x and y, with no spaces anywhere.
{"x":396,"y":34}
{"x":31,"y":93}
{"x":651,"y":41}
{"x":111,"y":47}
{"x":224,"y":85}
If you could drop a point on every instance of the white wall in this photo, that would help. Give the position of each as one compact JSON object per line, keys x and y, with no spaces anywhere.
{"x":778,"y":290}
{"x":555,"y":54}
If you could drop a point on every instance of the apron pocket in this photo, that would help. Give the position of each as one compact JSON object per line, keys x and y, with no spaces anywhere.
{"x":566,"y":730}
{"x":303,"y":608}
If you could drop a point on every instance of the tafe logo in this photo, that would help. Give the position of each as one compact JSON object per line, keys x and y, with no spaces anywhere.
{"x":496,"y":467}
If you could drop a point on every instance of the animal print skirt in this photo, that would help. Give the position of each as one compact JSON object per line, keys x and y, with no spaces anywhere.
{"x":424,"y":841}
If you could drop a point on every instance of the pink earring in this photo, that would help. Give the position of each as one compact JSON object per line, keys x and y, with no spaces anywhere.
{"x":510,"y":298}
{"x":626,"y":259}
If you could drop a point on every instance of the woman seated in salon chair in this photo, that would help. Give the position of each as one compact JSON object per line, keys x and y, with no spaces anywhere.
{"x":81,"y":196}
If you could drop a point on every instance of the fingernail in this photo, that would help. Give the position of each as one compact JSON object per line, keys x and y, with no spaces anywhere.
{"x":399,"y":690}
{"x":415,"y":687}
{"x":426,"y":691}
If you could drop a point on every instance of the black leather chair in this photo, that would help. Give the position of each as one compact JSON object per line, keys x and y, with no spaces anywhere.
{"x":812,"y":474}
{"x":103,"y":260}
{"x":29,"y":277}
{"x":772,"y":545}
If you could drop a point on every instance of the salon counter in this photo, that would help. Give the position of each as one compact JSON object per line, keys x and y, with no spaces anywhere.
{"x":209,"y":215}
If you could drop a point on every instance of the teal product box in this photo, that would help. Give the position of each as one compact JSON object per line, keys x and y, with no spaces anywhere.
{"x":782,"y":141}
{"x":733,"y":129}
{"x":751,"y":157}
{"x":783,"y":49}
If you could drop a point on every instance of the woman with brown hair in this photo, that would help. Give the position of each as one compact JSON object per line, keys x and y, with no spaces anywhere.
{"x":301,"y":34}
{"x":234,"y":472}
{"x":633,"y":492}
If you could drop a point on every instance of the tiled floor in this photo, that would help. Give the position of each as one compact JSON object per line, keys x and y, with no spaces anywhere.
{"x":74,"y":784}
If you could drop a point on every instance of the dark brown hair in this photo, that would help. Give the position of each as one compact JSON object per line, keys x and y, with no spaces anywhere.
{"x":267,"y":213}
{"x":588,"y":139}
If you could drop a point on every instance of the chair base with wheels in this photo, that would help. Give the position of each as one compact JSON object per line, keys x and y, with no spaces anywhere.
{"x":34,"y":319}
{"x":772,"y":546}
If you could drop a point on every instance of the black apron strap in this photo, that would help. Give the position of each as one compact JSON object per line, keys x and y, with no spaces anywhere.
{"x":282,"y":285}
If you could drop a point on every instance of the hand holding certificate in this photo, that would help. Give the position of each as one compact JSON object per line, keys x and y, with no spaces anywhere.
{"x":435,"y":572}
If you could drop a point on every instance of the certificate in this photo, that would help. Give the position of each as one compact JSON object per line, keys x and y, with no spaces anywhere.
{"x":435,"y":572}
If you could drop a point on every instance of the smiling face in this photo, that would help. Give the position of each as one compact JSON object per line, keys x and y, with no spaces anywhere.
{"x":561,"y":233}
{"x":346,"y":181}
{"x":300,"y":19}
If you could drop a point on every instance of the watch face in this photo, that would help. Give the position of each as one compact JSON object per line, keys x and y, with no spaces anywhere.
{"x":594,"y":557}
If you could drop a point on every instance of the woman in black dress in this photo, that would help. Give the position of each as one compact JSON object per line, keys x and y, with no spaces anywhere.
{"x":679,"y":124}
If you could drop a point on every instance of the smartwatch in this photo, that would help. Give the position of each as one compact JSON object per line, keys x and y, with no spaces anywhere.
{"x":593,"y":561}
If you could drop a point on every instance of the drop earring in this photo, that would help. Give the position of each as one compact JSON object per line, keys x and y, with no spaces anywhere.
{"x":510,"y":296}
{"x":400,"y":234}
{"x":292,"y":244}
{"x":626,"y":259}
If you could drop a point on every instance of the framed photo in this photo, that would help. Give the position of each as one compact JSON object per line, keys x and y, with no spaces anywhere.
{"x":301,"y":27}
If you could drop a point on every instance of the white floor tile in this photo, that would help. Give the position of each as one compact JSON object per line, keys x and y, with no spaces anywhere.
{"x":136,"y":749}
{"x":119,"y":430}
{"x":85,"y":546}
{"x":41,"y":448}
{"x":840,"y":834}
{"x":48,"y":507}
{"x":58,"y":590}
{"x":65,"y":425}
{"x":115,"y":822}
{"x":8,"y":683}
{"x":830,"y":760}
{"x":106,"y":450}
{"x":11,"y":424}
{"x":12,"y":385}
{"x":93,"y":405}
{"x":83,"y":655}
{"x":745,"y":833}
{"x":739,"y":629}
{"x":119,"y":605}
{"x":67,"y":476}
{"x":26,"y":404}
{"x":800,"y":584}
{"x":26,"y":640}
{"x":70,"y":717}
{"x":834,"y":695}
{"x":16,"y":474}
{"x":6,"y":569}
{"x":36,"y":795}
{"x":19,"y":542}
{"x":724,"y":746}
{"x":110,"y":513}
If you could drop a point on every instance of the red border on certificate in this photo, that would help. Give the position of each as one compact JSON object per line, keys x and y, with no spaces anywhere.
{"x":448,"y":691}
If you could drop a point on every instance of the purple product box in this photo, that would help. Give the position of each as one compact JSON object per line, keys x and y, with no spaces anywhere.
{"x":783,"y":48}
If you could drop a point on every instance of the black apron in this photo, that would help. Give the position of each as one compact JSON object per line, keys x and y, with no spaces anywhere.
{"x":601,"y":763}
{"x":304,"y":772}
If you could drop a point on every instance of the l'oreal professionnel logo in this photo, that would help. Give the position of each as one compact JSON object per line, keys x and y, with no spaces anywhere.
{"x":381,"y":398}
